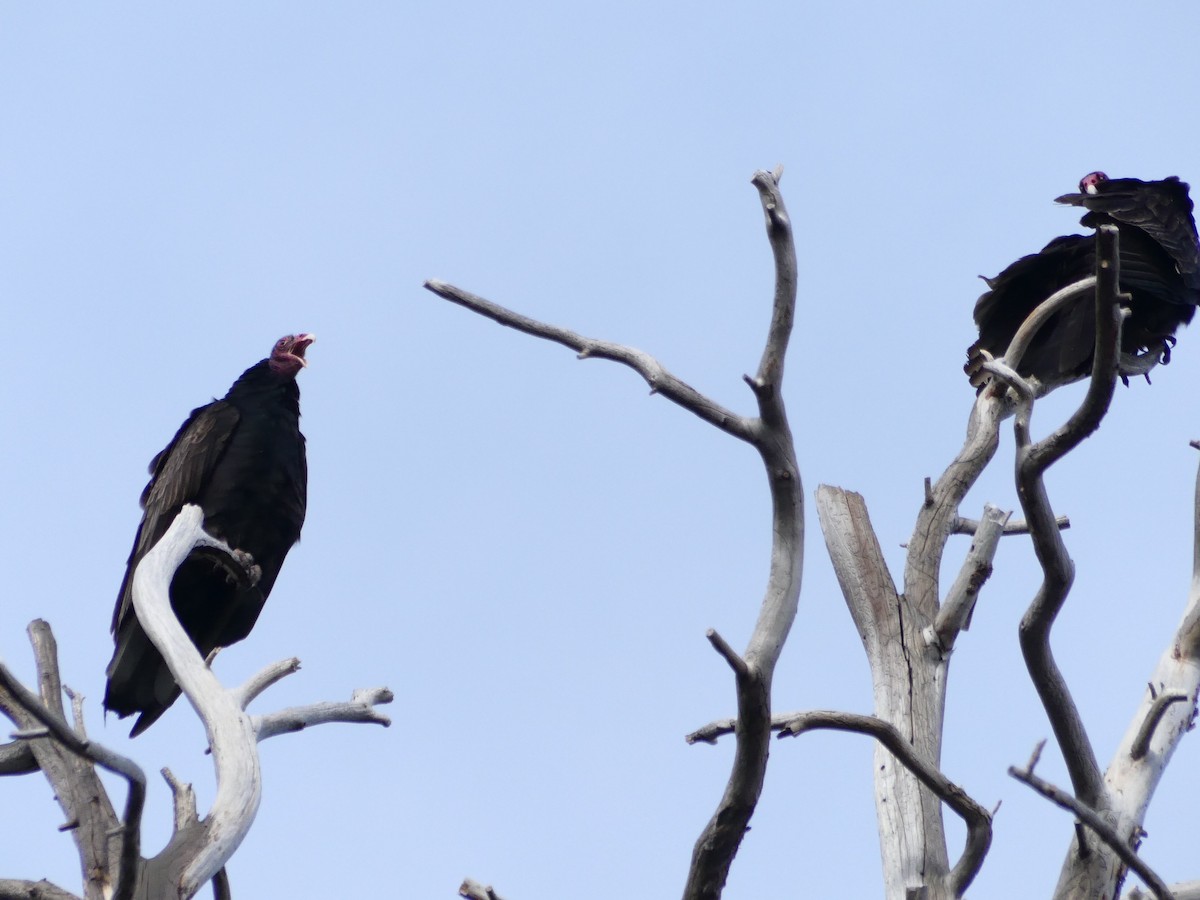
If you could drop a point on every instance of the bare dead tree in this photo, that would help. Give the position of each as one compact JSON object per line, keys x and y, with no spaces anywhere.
{"x":909,"y":632}
{"x":108,"y":844}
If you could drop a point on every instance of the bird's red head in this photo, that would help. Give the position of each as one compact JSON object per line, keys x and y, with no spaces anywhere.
{"x":287,"y":356}
{"x":1088,"y":184}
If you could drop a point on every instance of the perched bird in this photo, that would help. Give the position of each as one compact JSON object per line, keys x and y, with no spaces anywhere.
{"x":1160,"y":270}
{"x":242,"y":460}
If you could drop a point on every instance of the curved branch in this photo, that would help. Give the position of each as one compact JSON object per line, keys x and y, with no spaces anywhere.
{"x":1057,"y":568}
{"x":771,"y":435}
{"x":17,"y":758}
{"x":262,"y":680}
{"x":1041,"y":314}
{"x":230,"y":735}
{"x":1158,"y":709}
{"x":977,"y":819}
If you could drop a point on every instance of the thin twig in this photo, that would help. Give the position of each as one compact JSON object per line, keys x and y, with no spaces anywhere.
{"x":1099,"y":827}
{"x":660,"y":380}
{"x":727,"y":653}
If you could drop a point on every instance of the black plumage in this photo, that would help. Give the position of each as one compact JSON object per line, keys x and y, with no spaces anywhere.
{"x":242,"y":460}
{"x":1160,"y":270}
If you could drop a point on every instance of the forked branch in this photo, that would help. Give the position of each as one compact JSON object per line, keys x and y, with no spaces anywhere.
{"x":977,"y":819}
{"x":770,"y":434}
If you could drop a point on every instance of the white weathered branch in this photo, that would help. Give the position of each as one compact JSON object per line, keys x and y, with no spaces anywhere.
{"x":360,"y":708}
{"x":263,"y":679}
{"x":473,"y":890}
{"x":230,"y":732}
{"x":955,"y":613}
{"x":200,"y":849}
{"x":1033,"y":323}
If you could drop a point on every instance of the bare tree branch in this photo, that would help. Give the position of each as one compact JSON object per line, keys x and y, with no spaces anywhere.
{"x":976,"y":818}
{"x":1158,"y":709}
{"x":262,"y":680}
{"x":473,"y":890}
{"x":1038,"y":318}
{"x":955,"y":613}
{"x":239,"y":781}
{"x":17,"y":759}
{"x":1058,"y":570}
{"x":660,"y":380}
{"x":360,"y":708}
{"x":1159,"y":724}
{"x":130,"y":828}
{"x":771,"y":436}
{"x":76,"y":785}
{"x":1093,"y":820}
{"x":783,"y":250}
{"x":220,"y":885}
{"x":1185,"y":890}
{"x":15,"y":889}
{"x":964,"y":525}
{"x":718,"y":843}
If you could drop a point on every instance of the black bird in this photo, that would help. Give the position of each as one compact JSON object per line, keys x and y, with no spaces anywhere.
{"x":1160,"y":270}
{"x":242,"y":460}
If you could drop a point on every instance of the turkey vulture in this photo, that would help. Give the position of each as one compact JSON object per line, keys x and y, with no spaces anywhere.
{"x":1160,"y":270}
{"x":241,"y":459}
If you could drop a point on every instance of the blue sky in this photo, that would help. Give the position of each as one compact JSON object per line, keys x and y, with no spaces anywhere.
{"x":525,"y":548}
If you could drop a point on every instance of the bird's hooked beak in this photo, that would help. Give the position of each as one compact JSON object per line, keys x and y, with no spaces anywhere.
{"x":302,"y":343}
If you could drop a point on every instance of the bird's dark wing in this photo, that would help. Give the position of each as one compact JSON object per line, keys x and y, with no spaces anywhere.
{"x":1162,"y":209}
{"x":178,"y":475}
